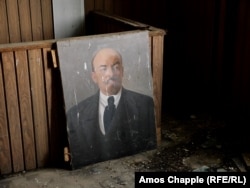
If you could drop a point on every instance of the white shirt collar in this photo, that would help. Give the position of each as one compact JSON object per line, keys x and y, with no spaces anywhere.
{"x":104,"y":98}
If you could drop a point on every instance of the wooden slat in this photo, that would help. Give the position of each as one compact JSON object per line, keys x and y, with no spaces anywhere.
{"x":47,"y":17}
{"x":36,"y":20}
{"x":99,"y":4}
{"x":13,"y":111}
{"x":25,"y":109}
{"x":26,"y":45}
{"x":4,"y":36}
{"x":56,"y":114}
{"x":109,"y":6}
{"x":157,"y":63}
{"x":13,"y":21}
{"x":89,"y":5}
{"x":48,"y":85}
{"x":128,"y":9}
{"x":117,"y":7}
{"x":5,"y":156}
{"x":39,"y":106}
{"x":241,"y":80}
{"x":25,"y":20}
{"x":138,"y":15}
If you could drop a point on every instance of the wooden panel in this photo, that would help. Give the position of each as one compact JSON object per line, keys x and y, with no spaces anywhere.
{"x":157,"y":63}
{"x":89,"y":5}
{"x":99,"y":4}
{"x":26,"y":46}
{"x":220,"y":43}
{"x":128,"y":9}
{"x":241,"y":80}
{"x":13,"y":21}
{"x":138,"y":15}
{"x":4,"y":37}
{"x":47,"y":18}
{"x":117,"y":7}
{"x":5,"y":156}
{"x":29,"y":93}
{"x":13,"y":111}
{"x":39,"y":106}
{"x":56,"y":114}
{"x":25,"y":109}
{"x":109,"y":6}
{"x":36,"y":20}
{"x":25,"y":21}
{"x":49,"y":96}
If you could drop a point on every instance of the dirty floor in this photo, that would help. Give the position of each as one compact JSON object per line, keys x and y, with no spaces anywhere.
{"x":198,"y":143}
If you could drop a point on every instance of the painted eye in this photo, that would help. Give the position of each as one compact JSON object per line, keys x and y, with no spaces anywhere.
{"x":102,"y":69}
{"x":116,"y":67}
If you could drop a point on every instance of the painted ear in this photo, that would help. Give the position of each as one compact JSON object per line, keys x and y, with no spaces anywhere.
{"x":94,"y":77}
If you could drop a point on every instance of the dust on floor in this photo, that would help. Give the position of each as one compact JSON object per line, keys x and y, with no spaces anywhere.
{"x":191,"y":145}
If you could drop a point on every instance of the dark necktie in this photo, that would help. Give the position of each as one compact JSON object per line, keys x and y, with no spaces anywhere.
{"x":108,"y":113}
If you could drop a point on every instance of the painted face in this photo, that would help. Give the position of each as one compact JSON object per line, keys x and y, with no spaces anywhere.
{"x":108,"y":71}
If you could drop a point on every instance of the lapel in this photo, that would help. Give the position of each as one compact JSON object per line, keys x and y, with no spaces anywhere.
{"x":89,"y":118}
{"x":126,"y":115}
{"x":130,"y":107}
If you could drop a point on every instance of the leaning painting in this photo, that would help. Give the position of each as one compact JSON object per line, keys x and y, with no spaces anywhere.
{"x":108,"y":94}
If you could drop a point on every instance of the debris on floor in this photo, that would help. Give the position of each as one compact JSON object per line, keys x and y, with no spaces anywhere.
{"x":196,"y":144}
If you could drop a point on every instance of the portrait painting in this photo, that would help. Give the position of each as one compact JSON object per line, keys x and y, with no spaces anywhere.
{"x":108,"y":96}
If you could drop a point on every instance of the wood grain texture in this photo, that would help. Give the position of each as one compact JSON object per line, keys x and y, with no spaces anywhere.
{"x":36,"y":20}
{"x":12,"y":104}
{"x":4,"y":37}
{"x":39,"y":106}
{"x":48,"y":68}
{"x":13,"y":21}
{"x":99,"y":4}
{"x":117,"y":7}
{"x":109,"y":6}
{"x":89,"y":5}
{"x":47,"y":19}
{"x":5,"y":154}
{"x":157,"y":63}
{"x":26,"y":45}
{"x":25,"y":20}
{"x":25,"y":109}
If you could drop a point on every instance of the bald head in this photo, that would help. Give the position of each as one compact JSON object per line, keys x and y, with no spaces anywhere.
{"x":101,"y":54}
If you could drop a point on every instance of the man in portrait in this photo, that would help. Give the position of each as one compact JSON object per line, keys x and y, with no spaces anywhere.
{"x":115,"y":121}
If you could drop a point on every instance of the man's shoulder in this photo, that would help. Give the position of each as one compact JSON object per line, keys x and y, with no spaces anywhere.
{"x":85,"y":104}
{"x":137,"y":96}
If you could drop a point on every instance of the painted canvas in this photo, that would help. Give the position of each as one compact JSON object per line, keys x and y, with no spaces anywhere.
{"x":108,"y":94}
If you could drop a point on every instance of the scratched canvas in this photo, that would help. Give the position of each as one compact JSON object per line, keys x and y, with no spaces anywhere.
{"x":108,"y":94}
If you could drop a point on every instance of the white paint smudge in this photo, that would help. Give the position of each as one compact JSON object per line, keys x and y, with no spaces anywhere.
{"x":85,"y":66}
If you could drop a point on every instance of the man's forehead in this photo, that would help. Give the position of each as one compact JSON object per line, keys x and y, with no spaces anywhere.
{"x":107,"y":54}
{"x":107,"y":51}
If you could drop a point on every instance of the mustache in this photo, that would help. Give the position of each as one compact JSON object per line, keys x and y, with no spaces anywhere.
{"x":111,"y":79}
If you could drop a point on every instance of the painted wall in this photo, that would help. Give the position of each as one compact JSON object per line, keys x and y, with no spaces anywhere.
{"x":68,"y":18}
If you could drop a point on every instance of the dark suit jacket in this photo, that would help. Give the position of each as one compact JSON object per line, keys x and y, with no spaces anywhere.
{"x":132,"y":129}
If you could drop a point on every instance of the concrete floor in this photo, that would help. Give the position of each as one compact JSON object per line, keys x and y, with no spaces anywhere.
{"x":194,"y":144}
